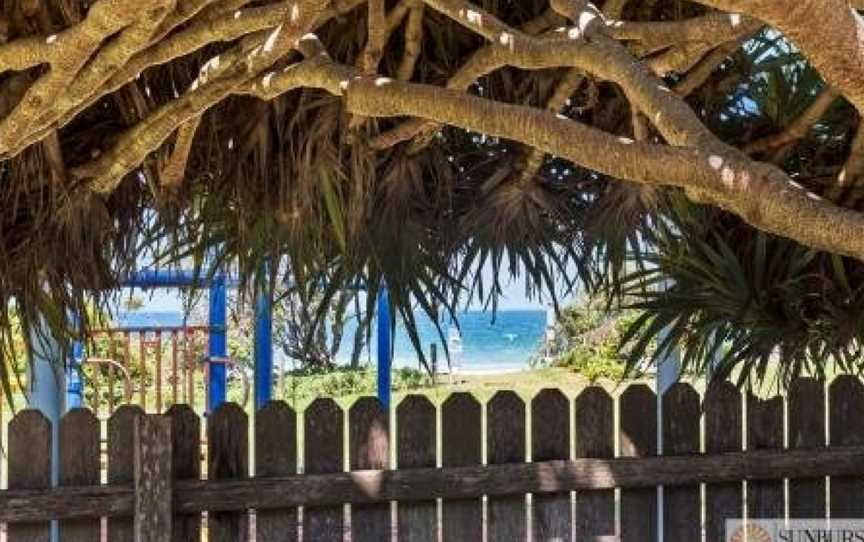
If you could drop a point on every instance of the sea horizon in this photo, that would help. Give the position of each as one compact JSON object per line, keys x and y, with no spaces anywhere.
{"x":507,"y":340}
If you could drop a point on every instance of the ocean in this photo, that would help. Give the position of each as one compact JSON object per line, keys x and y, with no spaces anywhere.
{"x":507,"y":343}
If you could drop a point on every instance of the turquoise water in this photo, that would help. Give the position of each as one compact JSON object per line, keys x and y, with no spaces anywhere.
{"x":508,"y":342}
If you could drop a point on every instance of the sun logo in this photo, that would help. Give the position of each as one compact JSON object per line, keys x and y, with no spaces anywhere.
{"x":751,"y":533}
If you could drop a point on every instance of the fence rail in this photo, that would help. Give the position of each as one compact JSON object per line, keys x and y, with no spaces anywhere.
{"x":563,"y":453}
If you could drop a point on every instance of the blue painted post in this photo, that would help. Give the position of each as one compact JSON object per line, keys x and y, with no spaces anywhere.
{"x":263,"y":349}
{"x":384,"y":347}
{"x":74,"y":386}
{"x":218,"y":343}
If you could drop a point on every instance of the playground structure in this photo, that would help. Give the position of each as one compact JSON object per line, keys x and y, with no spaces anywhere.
{"x":187,"y":360}
{"x":153,"y":367}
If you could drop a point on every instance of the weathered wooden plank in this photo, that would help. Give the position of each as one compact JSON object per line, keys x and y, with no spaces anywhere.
{"x":227,"y":458}
{"x":424,"y":484}
{"x":186,"y":445}
{"x":112,"y":349}
{"x":461,"y":444}
{"x":79,"y":466}
{"x":175,"y":377}
{"x":505,"y":443}
{"x":416,"y":442}
{"x":550,"y":440}
{"x":765,"y":432}
{"x":594,"y":432}
{"x":121,"y":464}
{"x":846,"y":428}
{"x":142,"y":371}
{"x":681,"y":514}
{"x":638,"y":438}
{"x":153,"y":479}
{"x":807,"y":430}
{"x":158,"y":377}
{"x":369,"y":448}
{"x":723,"y":431}
{"x":323,"y":452}
{"x":29,"y":468}
{"x":276,"y":455}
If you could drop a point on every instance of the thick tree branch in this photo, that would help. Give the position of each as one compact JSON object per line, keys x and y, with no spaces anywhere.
{"x":700,"y":73}
{"x":484,"y":61}
{"x":413,"y":43}
{"x":213,"y":86}
{"x":67,"y":52}
{"x":171,"y":176}
{"x":761,"y":194}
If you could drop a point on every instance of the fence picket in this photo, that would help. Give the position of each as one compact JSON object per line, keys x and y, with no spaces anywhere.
{"x":29,"y":468}
{"x":275,"y":455}
{"x":550,"y":439}
{"x":461,"y":444}
{"x":158,"y":376}
{"x":142,"y":367}
{"x":121,"y":463}
{"x":723,"y":430}
{"x":765,"y":431}
{"x":227,"y":458}
{"x":416,"y":442}
{"x":153,"y":479}
{"x":505,"y":434}
{"x":807,"y":430}
{"x":846,"y":426}
{"x":638,"y":437}
{"x":186,"y":443}
{"x":369,"y":448}
{"x":681,"y":515}
{"x":79,"y":466}
{"x":595,"y":438}
{"x":323,"y":452}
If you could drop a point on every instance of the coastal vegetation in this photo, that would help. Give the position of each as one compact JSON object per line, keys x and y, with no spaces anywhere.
{"x":587,"y":339}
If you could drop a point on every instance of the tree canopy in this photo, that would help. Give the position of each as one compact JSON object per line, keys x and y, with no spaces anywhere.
{"x":713,"y":146}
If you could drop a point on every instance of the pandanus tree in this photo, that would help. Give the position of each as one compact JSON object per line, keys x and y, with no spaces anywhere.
{"x":416,"y":141}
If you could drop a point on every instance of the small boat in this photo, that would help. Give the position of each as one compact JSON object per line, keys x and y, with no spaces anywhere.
{"x":511,"y":336}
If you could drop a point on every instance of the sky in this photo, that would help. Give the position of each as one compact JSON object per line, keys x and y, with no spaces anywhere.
{"x":513,"y":298}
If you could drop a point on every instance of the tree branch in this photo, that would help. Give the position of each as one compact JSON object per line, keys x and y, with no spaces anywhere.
{"x":797,"y":128}
{"x":67,"y":52}
{"x":413,"y":43}
{"x":214,"y":84}
{"x":760,"y":193}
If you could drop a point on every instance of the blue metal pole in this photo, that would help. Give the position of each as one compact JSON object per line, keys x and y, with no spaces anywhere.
{"x":263,"y":350}
{"x":384,"y":347}
{"x":218,"y":343}
{"x":74,"y":386}
{"x":172,"y":278}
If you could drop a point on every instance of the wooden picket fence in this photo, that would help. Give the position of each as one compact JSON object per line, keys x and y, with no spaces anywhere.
{"x":549,"y":469}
